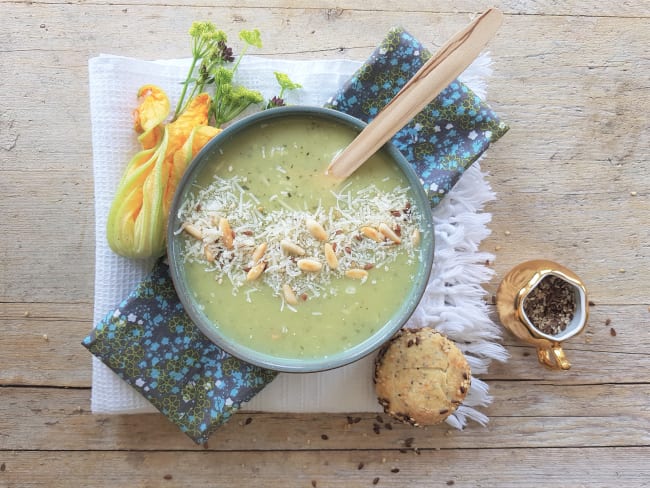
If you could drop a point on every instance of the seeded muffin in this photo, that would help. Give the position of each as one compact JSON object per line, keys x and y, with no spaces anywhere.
{"x":421,"y":377}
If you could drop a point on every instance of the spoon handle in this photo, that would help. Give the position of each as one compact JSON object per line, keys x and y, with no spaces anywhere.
{"x":433,"y":77}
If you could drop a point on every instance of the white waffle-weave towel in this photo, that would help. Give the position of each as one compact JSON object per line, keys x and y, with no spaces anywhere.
{"x":458,"y":311}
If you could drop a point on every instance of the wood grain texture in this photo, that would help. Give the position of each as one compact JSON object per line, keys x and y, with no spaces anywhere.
{"x":573,"y":185}
{"x":516,"y":7}
{"x":597,"y":356}
{"x":574,"y":467}
{"x":534,"y":414}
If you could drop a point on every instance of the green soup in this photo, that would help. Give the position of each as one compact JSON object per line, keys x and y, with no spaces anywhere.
{"x":268,"y":184}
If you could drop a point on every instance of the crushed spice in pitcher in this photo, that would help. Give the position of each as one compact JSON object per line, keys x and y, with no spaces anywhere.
{"x":551,"y":305}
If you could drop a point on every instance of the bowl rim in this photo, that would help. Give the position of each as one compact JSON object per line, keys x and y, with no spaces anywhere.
{"x":298,"y":365}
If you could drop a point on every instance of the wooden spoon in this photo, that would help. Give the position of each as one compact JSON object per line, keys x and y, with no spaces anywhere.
{"x":433,"y":77}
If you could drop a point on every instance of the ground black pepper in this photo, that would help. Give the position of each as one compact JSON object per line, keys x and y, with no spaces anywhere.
{"x":550,"y":306}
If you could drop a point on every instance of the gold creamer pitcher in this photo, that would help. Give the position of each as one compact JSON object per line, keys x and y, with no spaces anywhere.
{"x":518,"y":285}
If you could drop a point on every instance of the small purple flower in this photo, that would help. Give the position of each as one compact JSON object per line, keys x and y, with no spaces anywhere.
{"x":275,"y":102}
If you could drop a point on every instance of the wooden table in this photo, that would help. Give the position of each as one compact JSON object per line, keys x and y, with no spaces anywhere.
{"x":573,"y":184}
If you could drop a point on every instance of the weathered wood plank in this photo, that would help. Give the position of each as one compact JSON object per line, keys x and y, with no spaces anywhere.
{"x":572,"y":467}
{"x":588,"y":365}
{"x":48,"y":236}
{"x":41,"y":343}
{"x":60,"y":360}
{"x":544,"y":7}
{"x":523,"y":414}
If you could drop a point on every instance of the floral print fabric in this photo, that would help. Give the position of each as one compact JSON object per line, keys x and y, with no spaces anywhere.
{"x":152,"y":344}
{"x":446,"y":137}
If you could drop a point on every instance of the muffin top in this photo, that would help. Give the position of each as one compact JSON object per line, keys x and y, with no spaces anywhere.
{"x":421,"y":377}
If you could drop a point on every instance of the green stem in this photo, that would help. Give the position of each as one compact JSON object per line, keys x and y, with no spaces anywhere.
{"x":245,"y":48}
{"x":179,"y":105}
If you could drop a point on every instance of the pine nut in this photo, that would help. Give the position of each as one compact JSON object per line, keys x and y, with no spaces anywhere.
{"x":356,"y":274}
{"x":256,"y":271}
{"x":330,"y":256}
{"x":193,"y":231}
{"x":372,"y":233}
{"x":389,"y":233}
{"x":209,"y":255}
{"x":310,"y":265}
{"x":226,"y":233}
{"x":290,"y":248}
{"x":316,"y":230}
{"x":289,"y":295}
{"x":415,"y":237}
{"x":259,"y":251}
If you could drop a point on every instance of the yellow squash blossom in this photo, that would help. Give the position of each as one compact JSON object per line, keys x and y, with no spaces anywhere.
{"x":148,"y":118}
{"x":137,"y":220}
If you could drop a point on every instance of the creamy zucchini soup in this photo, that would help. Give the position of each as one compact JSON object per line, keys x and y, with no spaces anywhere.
{"x":288,"y":263}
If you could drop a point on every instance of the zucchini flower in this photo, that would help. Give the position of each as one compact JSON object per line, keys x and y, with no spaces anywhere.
{"x":137,"y":220}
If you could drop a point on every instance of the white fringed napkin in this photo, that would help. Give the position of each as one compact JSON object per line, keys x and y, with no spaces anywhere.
{"x":458,"y":311}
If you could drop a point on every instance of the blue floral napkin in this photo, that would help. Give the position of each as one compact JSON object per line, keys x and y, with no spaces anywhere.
{"x":446,"y":137}
{"x":152,"y":344}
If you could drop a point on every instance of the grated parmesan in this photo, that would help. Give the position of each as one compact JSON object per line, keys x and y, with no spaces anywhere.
{"x":253,"y":225}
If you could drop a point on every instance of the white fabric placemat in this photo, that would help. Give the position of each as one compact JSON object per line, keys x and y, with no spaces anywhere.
{"x":458,"y":311}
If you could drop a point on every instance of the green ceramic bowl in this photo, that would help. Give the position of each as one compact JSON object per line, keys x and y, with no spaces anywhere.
{"x":383,"y":332}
